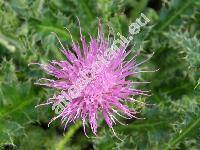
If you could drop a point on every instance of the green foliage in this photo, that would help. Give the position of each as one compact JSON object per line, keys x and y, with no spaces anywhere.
{"x":172,"y":122}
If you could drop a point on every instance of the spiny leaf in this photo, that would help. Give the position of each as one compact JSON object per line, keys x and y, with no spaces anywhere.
{"x":189,"y":45}
{"x":194,"y":125}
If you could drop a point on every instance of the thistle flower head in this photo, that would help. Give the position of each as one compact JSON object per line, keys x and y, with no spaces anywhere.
{"x":91,"y":83}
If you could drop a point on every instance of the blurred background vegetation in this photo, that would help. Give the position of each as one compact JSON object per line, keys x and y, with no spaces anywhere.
{"x":173,"y":122}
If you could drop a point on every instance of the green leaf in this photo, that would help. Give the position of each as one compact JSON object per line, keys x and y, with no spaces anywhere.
{"x":193,"y":126}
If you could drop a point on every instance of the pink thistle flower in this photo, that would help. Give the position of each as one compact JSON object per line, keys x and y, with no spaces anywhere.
{"x":99,"y":84}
